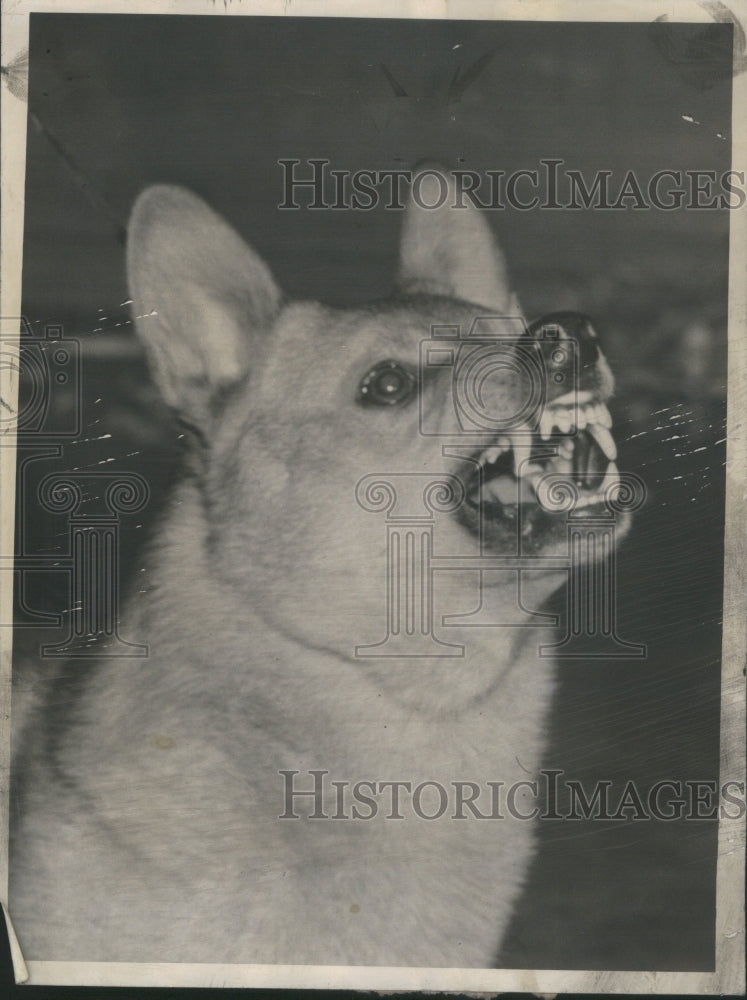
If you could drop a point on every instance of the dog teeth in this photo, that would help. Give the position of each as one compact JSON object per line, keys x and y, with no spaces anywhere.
{"x":521,"y":442}
{"x":593,"y":418}
{"x":573,"y":416}
{"x":605,"y":440}
{"x":546,"y":424}
{"x":563,"y":421}
{"x":491,"y":455}
{"x":603,"y":416}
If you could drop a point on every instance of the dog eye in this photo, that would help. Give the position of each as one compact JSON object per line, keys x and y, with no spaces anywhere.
{"x":387,"y":384}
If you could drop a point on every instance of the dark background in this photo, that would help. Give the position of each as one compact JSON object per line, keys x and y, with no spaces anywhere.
{"x":117,"y":102}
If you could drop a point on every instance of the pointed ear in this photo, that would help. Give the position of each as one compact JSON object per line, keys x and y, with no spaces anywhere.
{"x":447,"y":245}
{"x":201,"y":297}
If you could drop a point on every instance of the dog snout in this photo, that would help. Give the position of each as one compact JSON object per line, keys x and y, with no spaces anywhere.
{"x":571,"y":355}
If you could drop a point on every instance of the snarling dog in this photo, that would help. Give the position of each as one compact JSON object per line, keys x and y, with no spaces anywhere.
{"x":245,"y":794}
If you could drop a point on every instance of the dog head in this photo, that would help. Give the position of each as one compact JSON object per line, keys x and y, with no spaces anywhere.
{"x":298,"y":408}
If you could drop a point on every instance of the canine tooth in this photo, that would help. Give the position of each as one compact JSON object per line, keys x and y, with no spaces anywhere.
{"x":605,"y":440}
{"x":581,"y":419}
{"x":491,"y":455}
{"x":546,"y":423}
{"x":603,"y":415}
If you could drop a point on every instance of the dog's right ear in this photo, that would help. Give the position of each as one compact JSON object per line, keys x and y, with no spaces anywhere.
{"x":200,"y":295}
{"x":448,"y":248}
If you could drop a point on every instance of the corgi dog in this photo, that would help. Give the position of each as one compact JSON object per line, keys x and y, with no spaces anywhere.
{"x":353,"y":478}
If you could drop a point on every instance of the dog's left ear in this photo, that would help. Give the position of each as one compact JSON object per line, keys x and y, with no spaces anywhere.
{"x":448,"y":247}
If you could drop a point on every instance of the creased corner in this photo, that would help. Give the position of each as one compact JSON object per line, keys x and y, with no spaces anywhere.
{"x":20,"y":971}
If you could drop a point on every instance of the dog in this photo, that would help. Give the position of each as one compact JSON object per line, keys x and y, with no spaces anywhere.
{"x":191,"y":806}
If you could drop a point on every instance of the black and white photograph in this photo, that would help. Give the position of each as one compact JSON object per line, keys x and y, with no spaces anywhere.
{"x":371,"y":593}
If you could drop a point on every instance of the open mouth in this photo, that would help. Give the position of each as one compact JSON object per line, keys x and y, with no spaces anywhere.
{"x":515,"y":477}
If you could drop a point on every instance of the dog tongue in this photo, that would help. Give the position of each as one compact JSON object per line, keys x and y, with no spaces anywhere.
{"x":589,"y":461}
{"x":508,"y":490}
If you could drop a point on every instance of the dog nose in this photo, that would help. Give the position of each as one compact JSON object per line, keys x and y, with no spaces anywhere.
{"x":570,"y":348}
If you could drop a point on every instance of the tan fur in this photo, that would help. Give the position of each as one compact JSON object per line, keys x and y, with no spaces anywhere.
{"x":153,"y":833}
